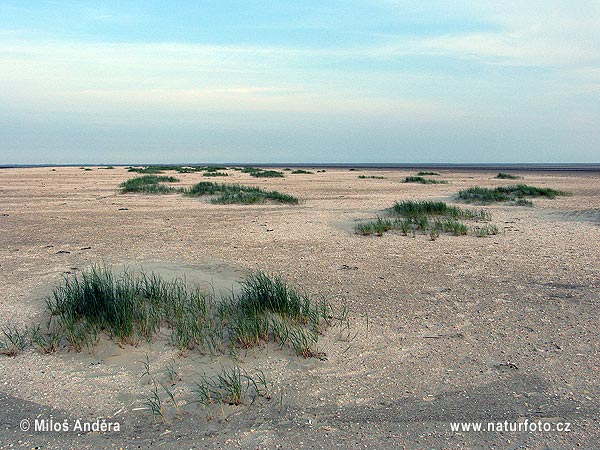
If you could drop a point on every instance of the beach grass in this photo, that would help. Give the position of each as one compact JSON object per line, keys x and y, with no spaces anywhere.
{"x":507,"y":176}
{"x":267,"y":174}
{"x":132,"y":307}
{"x":412,"y":217}
{"x":149,"y":184}
{"x":513,"y":193}
{"x":236,"y":193}
{"x":423,"y":180}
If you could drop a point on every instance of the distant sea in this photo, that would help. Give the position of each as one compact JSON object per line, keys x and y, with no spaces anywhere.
{"x":559,"y":167}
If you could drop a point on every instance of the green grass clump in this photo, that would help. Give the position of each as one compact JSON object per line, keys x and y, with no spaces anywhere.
{"x":13,"y":340}
{"x":375,"y":177}
{"x":250,"y":170}
{"x":424,"y":180}
{"x":232,"y":386}
{"x":507,"y":176}
{"x":421,"y":174}
{"x":412,"y":217}
{"x":506,"y":193}
{"x":133,"y":307}
{"x":146,"y":170}
{"x":215,"y":174}
{"x":236,"y":193}
{"x":301,"y":172}
{"x":267,"y":174}
{"x":149,"y":184}
{"x":411,"y":209}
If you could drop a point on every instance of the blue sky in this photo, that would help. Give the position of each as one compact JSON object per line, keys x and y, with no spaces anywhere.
{"x":305,"y":81}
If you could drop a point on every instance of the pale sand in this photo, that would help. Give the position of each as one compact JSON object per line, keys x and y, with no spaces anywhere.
{"x":445,"y":317}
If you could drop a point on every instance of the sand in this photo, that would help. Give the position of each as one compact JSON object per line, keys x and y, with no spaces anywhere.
{"x":456,"y":329}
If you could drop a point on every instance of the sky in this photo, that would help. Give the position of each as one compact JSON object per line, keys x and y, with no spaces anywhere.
{"x":377,"y":81}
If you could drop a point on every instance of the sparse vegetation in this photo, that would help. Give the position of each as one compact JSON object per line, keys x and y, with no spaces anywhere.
{"x":301,"y":172}
{"x":215,"y":174}
{"x":150,"y":184}
{"x":133,"y":307}
{"x":424,"y":180}
{"x":506,"y":194}
{"x":507,"y":176}
{"x":427,"y":217}
{"x":236,"y":193}
{"x":421,"y":174}
{"x":267,"y":174}
{"x":374,"y":177}
{"x":221,"y":193}
{"x":232,"y":386}
{"x":13,"y":340}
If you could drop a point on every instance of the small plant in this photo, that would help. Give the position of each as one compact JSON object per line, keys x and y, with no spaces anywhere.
{"x":50,"y":340}
{"x":321,"y":171}
{"x":485,"y":230}
{"x":421,"y":174}
{"x":14,"y":340}
{"x":155,"y":403}
{"x":424,"y":180}
{"x":231,"y":386}
{"x":301,"y":172}
{"x":507,"y":176}
{"x":375,"y":177}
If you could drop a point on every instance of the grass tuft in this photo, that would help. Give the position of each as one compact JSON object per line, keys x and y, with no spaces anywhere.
{"x":427,"y":217}
{"x":506,"y":193}
{"x":375,"y":177}
{"x":215,"y":174}
{"x":149,"y":184}
{"x":236,"y":193}
{"x":132,"y":307}
{"x":302,"y":172}
{"x":507,"y":176}
{"x":424,"y":180}
{"x":421,"y":174}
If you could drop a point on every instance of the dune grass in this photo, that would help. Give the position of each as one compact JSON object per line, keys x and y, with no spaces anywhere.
{"x":374,"y":177}
{"x":221,"y":193}
{"x":428,"y":217}
{"x":267,"y":174}
{"x":150,"y":184}
{"x":130,"y":308}
{"x":236,"y":193}
{"x":423,"y":180}
{"x":215,"y":174}
{"x":507,"y":176}
{"x":421,"y":174}
{"x":514,"y":193}
{"x":301,"y":172}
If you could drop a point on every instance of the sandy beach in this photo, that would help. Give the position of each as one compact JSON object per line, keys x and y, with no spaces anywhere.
{"x":456,"y":329}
